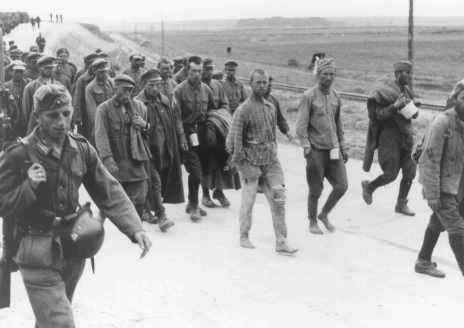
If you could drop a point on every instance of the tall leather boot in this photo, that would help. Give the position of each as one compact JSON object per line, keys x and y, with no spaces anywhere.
{"x":402,"y":203}
{"x":456,"y":241}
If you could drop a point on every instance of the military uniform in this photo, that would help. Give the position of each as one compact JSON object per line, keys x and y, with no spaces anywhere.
{"x":79,"y":103}
{"x":49,"y":276}
{"x":16,"y":90}
{"x":168,"y":88}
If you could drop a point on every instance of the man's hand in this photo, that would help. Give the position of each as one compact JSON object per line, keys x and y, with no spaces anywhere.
{"x":344,"y":156}
{"x":139,"y":122}
{"x":306,"y":150}
{"x":36,"y":174}
{"x":184,"y":144}
{"x":434,"y":204}
{"x":290,"y":136}
{"x":401,"y":102}
{"x":144,"y":242}
{"x":111,"y":165}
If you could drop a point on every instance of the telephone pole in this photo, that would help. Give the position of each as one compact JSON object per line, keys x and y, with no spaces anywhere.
{"x":162,"y":37}
{"x":411,"y":36}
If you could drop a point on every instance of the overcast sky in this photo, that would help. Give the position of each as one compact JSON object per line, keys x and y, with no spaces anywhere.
{"x":150,"y":10}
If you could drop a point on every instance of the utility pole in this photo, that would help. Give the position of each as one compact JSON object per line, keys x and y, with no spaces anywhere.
{"x":162,"y":37}
{"x":411,"y":37}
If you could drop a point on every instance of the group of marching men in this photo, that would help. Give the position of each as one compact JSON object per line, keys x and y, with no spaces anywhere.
{"x":145,"y":123}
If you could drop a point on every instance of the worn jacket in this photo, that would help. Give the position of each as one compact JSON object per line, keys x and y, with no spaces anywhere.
{"x":79,"y":100}
{"x":252,"y":136}
{"x":442,"y":161}
{"x":168,"y":87}
{"x":113,"y":138}
{"x":163,"y":138}
{"x":219,"y":95}
{"x":193,"y":103}
{"x":16,"y":90}
{"x":319,"y":121}
{"x":59,"y":196}
{"x":383,"y":118}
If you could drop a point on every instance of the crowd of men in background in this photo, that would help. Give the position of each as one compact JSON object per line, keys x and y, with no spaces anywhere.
{"x":148,"y":121}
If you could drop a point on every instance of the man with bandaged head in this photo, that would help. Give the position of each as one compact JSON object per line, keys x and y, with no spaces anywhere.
{"x":320,"y":131}
{"x":40,"y":178}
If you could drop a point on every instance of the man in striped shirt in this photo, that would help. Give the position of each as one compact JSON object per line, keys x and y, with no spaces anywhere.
{"x":253,"y":148}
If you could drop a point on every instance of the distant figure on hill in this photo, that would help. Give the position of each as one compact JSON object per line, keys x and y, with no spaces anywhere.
{"x":61,"y":18}
{"x":229,"y":51}
{"x":33,"y":23}
{"x":51,"y":18}
{"x":57,"y":19}
{"x":40,"y":41}
{"x":38,"y":20}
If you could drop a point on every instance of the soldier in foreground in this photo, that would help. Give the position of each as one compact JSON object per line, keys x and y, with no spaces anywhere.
{"x":39,"y":184}
{"x":441,"y":175}
{"x":119,"y":124}
{"x":253,"y":147}
{"x":392,"y":135}
{"x":235,"y":90}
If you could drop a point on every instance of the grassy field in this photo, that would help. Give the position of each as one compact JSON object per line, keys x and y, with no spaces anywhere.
{"x":363,"y":54}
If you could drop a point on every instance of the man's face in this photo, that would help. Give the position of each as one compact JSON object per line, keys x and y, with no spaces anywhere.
{"x":123,"y":92}
{"x":47,"y":71}
{"x":208,"y":72}
{"x":18,"y":75}
{"x":194,"y":73}
{"x":15,"y":57}
{"x":230,"y":71}
{"x":63,"y":57}
{"x":101,"y":75}
{"x":259,"y":84}
{"x":459,"y":107}
{"x":153,"y":87}
{"x":56,"y":123}
{"x":165,"y":70}
{"x":403,"y":77}
{"x":326,"y":78}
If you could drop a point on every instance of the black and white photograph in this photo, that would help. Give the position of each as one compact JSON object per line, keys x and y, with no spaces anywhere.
{"x":231,"y":164}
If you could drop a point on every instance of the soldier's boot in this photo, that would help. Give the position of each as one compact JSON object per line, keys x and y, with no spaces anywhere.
{"x":323,"y":217}
{"x":314,"y":227}
{"x":165,"y":224}
{"x":189,"y":207}
{"x":245,"y":242}
{"x":149,"y":217}
{"x":429,"y":268}
{"x":221,"y":198}
{"x":403,"y":208}
{"x":366,"y":192}
{"x":283,"y":248}
{"x":456,"y":241}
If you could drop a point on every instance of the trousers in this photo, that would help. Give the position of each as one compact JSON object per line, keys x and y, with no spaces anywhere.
{"x":50,"y":293}
{"x":318,"y":167}
{"x":192,"y":163}
{"x":273,"y":185}
{"x":137,"y":192}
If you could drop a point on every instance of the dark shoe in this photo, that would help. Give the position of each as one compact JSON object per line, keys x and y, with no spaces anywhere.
{"x":402,"y":208}
{"x":246,"y":243}
{"x":325,"y":221}
{"x":208,"y":202}
{"x":366,"y":192}
{"x":284,"y":249}
{"x":165,"y":225}
{"x":314,"y":228}
{"x":428,"y":268}
{"x":190,"y":206}
{"x":149,"y":218}
{"x":221,"y":198}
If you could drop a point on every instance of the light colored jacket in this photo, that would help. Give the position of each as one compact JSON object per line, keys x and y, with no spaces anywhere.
{"x":442,"y":161}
